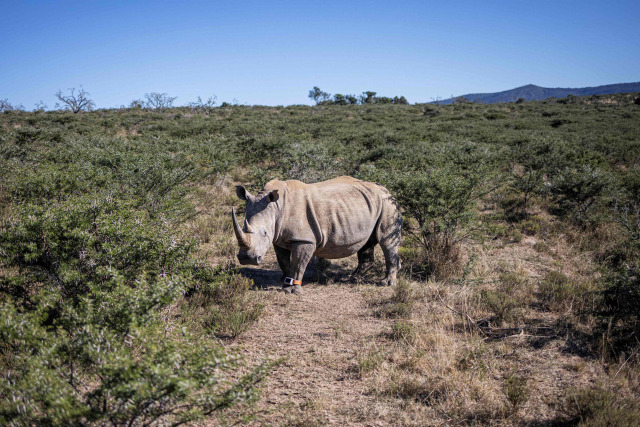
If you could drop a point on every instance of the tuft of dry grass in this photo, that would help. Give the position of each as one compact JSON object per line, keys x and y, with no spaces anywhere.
{"x":600,"y":405}
{"x":402,"y":330}
{"x":368,"y":361}
{"x":508,"y":298}
{"x":399,"y":305}
{"x":560,"y":293}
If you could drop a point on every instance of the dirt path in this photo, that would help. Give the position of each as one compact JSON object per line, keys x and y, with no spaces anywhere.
{"x":319,"y":335}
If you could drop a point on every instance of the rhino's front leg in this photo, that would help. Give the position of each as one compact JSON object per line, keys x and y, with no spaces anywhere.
{"x":301,"y":254}
{"x":284,"y":261}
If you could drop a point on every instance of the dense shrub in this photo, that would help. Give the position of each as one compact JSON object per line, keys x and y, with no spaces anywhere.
{"x":577,"y":191}
{"x":621,"y":308}
{"x":620,"y":312}
{"x":81,"y":320}
{"x":310,"y":163}
{"x":525,"y":184}
{"x":627,"y":208}
{"x":440,"y":196}
{"x":54,"y":374}
{"x":91,"y":254}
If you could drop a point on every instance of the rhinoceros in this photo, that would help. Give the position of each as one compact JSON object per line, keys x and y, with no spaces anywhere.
{"x":331,"y":219}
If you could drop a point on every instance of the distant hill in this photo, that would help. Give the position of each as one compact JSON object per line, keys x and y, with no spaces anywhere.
{"x":535,"y":93}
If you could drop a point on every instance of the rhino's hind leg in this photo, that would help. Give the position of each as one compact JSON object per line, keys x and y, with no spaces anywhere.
{"x":365,"y":257}
{"x":322,"y":267}
{"x":389,"y":234}
{"x":392,"y":261}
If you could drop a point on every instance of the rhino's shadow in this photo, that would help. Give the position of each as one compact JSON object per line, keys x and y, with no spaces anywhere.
{"x":262,"y":278}
{"x":272,"y":278}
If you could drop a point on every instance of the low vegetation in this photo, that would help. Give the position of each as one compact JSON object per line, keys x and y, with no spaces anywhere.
{"x":120,"y":303}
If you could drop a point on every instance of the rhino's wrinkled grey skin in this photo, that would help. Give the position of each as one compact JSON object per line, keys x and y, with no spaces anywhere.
{"x":330,"y":219}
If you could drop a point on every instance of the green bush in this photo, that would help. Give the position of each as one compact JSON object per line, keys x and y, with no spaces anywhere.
{"x":576,"y":192}
{"x":440,"y":197}
{"x":92,"y":254}
{"x":81,"y":326}
{"x":620,"y":311}
{"x":627,"y":208}
{"x":515,"y":388}
{"x":53,"y":375}
{"x":310,"y":163}
{"x":91,"y":240}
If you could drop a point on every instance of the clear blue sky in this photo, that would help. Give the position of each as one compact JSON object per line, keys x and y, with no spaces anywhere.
{"x":273,"y":52}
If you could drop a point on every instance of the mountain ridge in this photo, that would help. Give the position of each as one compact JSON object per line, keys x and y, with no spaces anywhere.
{"x":533,"y":92}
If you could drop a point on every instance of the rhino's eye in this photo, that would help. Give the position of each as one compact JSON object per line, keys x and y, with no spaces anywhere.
{"x":263,"y":232}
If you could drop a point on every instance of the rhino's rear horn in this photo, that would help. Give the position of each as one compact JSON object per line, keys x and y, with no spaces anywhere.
{"x":248,"y":227}
{"x":243,"y":239}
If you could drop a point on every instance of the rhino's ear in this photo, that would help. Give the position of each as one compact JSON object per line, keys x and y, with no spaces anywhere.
{"x":274,"y":196}
{"x":242,"y":193}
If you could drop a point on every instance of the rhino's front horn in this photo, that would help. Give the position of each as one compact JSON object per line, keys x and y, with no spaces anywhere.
{"x":243,"y":239}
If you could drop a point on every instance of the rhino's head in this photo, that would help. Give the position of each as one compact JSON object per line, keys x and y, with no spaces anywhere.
{"x":256,"y":236}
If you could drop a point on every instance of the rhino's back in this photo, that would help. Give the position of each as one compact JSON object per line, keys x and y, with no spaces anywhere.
{"x":335,"y":184}
{"x":338,"y":215}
